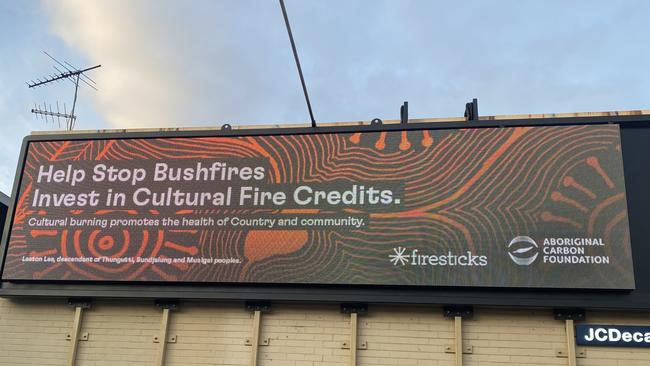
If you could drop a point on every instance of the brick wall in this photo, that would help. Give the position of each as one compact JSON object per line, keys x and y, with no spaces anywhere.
{"x":209,"y":334}
{"x":514,"y":337}
{"x":119,"y":334}
{"x":32,"y":332}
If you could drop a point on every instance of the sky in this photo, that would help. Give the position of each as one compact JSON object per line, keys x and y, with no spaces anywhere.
{"x":207,"y":62}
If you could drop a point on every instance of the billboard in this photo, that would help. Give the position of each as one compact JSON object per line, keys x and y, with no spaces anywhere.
{"x":537,"y":207}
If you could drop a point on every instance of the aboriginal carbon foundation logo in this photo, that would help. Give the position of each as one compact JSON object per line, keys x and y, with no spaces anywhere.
{"x":523,"y":250}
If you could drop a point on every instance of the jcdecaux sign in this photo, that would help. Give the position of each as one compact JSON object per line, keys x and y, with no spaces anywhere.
{"x":613,"y":335}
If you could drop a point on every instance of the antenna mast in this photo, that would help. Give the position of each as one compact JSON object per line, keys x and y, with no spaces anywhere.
{"x":295,"y":56}
{"x":71,"y":74}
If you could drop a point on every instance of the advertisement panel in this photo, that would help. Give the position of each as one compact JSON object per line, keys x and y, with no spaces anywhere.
{"x":538,"y":207}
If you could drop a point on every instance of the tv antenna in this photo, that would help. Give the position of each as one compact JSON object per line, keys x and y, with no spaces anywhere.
{"x":65,"y":72}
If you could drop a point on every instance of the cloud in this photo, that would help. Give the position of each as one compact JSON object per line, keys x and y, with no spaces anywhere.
{"x":172,"y":63}
{"x":138,"y":86}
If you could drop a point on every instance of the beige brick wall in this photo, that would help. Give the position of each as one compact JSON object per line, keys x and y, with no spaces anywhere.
{"x":514,"y":337}
{"x":209,"y":334}
{"x":405,"y":336}
{"x":32,"y":332}
{"x":119,"y":334}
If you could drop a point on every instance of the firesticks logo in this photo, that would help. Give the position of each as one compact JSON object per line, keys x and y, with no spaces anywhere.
{"x":414,"y":258}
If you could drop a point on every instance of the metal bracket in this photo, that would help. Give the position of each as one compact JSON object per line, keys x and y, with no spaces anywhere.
{"x":569,"y":314}
{"x":171,"y":339}
{"x":463,"y":311}
{"x":357,"y":307}
{"x":263,"y":342}
{"x":467,"y":350}
{"x":82,"y":337}
{"x":471,"y":110}
{"x":262,"y":306}
{"x":167,"y":304}
{"x":361,"y":345}
{"x":83,"y":302}
{"x":562,"y":353}
{"x":404,"y":113}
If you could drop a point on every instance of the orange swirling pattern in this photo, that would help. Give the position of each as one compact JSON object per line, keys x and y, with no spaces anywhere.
{"x":461,"y":190}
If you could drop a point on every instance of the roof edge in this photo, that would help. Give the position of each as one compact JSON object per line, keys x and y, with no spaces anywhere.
{"x":638,"y":112}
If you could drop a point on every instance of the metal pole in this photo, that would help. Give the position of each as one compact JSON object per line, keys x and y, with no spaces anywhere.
{"x":295,"y":56}
{"x":74,"y":104}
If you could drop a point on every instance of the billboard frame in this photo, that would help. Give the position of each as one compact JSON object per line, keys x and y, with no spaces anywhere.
{"x":598,"y":299}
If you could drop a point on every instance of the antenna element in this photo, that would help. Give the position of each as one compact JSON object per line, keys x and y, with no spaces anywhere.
{"x":72,"y":74}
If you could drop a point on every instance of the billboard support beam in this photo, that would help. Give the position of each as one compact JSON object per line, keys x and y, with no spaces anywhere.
{"x":569,"y":316}
{"x":458,"y":340}
{"x":570,"y":342}
{"x":354,"y":319}
{"x":458,"y":313}
{"x":167,"y":306}
{"x":257,"y":308}
{"x":257,"y":322}
{"x":354,"y":309}
{"x":162,"y":340}
{"x":79,"y":306}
